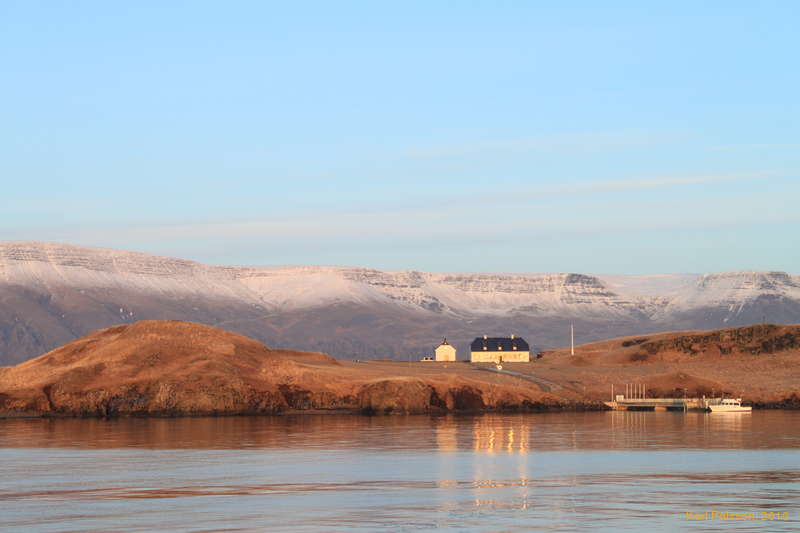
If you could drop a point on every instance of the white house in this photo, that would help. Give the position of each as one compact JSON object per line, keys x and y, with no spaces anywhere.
{"x":500,"y":349}
{"x":445,"y":352}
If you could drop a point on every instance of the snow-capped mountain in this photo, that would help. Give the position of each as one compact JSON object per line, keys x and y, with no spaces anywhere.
{"x":452,"y":294}
{"x":734,"y":298}
{"x":734,"y":290}
{"x":51,"y":293}
{"x":38,"y":265}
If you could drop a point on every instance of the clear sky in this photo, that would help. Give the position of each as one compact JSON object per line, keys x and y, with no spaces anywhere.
{"x":627,"y":137}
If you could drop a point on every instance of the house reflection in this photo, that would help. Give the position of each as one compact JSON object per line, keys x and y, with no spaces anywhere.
{"x":446,"y":431}
{"x":492,"y":434}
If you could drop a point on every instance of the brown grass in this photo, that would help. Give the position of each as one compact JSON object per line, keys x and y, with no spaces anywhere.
{"x":180,"y":368}
{"x":170,"y":367}
{"x":761,"y":363}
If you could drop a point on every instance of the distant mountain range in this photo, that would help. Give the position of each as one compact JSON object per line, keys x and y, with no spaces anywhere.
{"x":53,"y":293}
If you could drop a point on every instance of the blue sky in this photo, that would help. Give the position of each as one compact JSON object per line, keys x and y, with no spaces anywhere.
{"x":520,"y":136}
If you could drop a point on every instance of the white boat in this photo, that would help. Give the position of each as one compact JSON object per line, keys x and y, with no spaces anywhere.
{"x":728,"y":405}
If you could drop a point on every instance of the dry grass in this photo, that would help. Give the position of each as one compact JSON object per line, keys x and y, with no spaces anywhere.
{"x":168,"y":367}
{"x":187,"y":368}
{"x":760,"y":363}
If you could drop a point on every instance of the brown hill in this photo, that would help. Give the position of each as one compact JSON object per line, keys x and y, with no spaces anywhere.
{"x":170,"y":367}
{"x":152,"y":366}
{"x":760,"y":363}
{"x":183,"y":368}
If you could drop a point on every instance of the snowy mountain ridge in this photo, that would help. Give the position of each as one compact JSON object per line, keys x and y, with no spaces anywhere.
{"x":42,"y":265}
{"x":734,"y":290}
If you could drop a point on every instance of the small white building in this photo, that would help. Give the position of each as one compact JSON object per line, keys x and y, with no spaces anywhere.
{"x":500,"y":349}
{"x":445,"y":352}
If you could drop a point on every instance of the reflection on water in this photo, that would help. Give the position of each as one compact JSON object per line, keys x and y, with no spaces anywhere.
{"x":612,"y":471}
{"x":491,"y":432}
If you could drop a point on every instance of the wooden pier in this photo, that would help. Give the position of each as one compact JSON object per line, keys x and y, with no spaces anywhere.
{"x":658,"y":404}
{"x":635,"y":399}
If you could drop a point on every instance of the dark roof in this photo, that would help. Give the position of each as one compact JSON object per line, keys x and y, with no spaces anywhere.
{"x":496,"y":344}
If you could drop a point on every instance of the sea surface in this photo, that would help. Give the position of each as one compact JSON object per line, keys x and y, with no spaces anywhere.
{"x":604,"y":471}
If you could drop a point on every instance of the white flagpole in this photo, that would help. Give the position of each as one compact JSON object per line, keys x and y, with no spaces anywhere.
{"x":572,"y":339}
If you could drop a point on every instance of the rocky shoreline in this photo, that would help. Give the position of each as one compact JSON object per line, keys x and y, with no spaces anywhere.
{"x":102,"y":414}
{"x":788,"y":404}
{"x":401,"y":396}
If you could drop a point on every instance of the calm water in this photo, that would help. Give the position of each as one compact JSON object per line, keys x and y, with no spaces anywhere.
{"x":612,"y":471}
